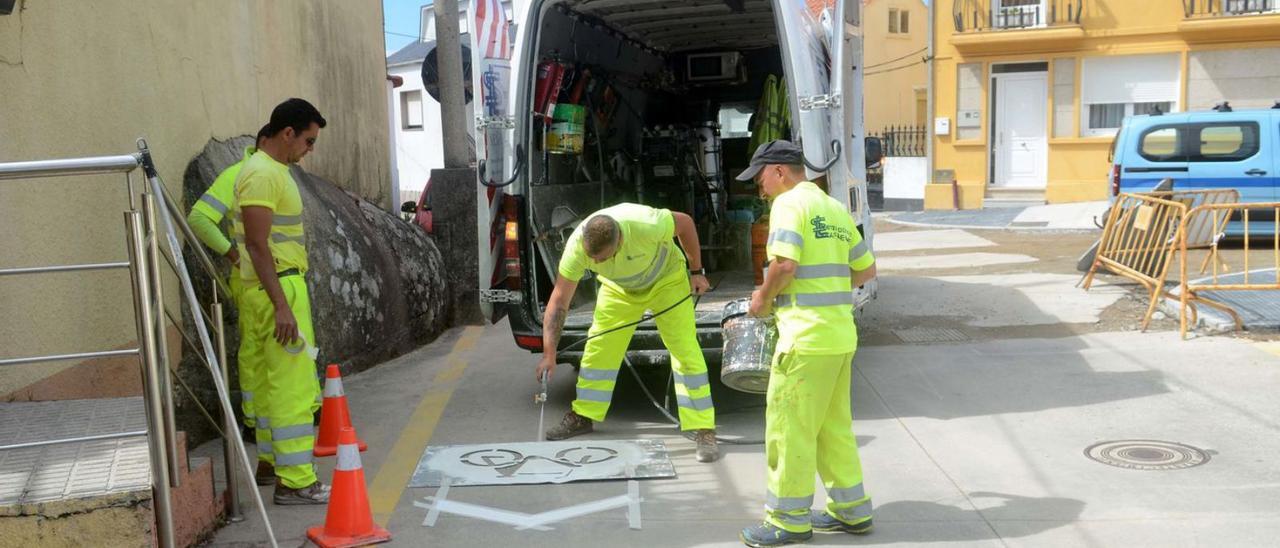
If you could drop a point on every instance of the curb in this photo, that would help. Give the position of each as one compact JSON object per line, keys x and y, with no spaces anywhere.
{"x":1007,"y":228}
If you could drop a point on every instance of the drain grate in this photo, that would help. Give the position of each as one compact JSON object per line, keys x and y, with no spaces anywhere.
{"x":1147,"y":454}
{"x":918,"y":335}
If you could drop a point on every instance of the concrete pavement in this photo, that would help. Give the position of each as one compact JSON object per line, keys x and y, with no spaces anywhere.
{"x":963,"y":444}
{"x":975,"y":443}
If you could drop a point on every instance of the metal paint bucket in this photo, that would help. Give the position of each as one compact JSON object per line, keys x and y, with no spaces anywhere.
{"x":748,"y":348}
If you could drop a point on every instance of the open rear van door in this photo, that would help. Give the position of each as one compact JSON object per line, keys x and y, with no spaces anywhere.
{"x":847,"y":121}
{"x":498,"y":166}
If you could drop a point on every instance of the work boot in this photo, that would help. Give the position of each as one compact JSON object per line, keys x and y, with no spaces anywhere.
{"x":708,"y":450}
{"x":572,"y":425}
{"x":827,"y":523}
{"x":316,"y":493}
{"x":265,"y":474}
{"x":768,"y":534}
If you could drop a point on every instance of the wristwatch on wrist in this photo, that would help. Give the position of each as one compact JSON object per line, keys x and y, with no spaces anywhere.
{"x":697,"y":272}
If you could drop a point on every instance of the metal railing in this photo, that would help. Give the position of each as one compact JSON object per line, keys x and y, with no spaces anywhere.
{"x":985,"y":15}
{"x":145,"y":252}
{"x":903,"y":141}
{"x":1242,"y":220}
{"x":1228,"y":8}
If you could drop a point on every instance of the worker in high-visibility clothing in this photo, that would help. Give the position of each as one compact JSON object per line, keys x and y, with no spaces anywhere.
{"x":817,"y":256}
{"x":630,"y":248}
{"x":206,"y":218}
{"x":267,"y":215}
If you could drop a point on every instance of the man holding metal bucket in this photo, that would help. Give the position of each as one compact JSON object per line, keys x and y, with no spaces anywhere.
{"x":817,"y":256}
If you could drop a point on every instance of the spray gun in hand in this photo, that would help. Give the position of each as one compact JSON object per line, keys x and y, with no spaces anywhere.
{"x":540,"y":399}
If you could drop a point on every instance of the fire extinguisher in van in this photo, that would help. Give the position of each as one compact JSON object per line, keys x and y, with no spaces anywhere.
{"x":547,"y":90}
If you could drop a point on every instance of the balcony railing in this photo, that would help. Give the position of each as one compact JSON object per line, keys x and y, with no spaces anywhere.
{"x":985,"y":15}
{"x":1229,"y":8}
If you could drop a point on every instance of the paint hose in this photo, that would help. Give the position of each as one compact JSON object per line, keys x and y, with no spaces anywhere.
{"x":631,"y":367}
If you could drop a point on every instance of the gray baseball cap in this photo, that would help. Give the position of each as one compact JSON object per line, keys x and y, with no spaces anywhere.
{"x":773,"y":152}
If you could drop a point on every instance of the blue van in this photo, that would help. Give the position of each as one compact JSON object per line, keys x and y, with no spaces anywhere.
{"x":1200,"y":150}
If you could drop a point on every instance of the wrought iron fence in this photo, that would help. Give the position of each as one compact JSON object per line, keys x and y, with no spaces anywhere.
{"x":1224,"y":8}
{"x":980,"y":15}
{"x":903,"y":140}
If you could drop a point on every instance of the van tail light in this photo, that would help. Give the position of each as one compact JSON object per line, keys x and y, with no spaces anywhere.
{"x":511,"y":269}
{"x":1115,"y":180}
{"x":529,"y":342}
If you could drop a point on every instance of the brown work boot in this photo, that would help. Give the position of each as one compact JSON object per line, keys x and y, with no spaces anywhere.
{"x":265,"y":475}
{"x":316,"y":493}
{"x":572,"y":425}
{"x":708,"y":449}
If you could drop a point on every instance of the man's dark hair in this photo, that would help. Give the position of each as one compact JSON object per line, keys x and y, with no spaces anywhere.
{"x":600,"y":234}
{"x":295,"y":113}
{"x":263,"y":133}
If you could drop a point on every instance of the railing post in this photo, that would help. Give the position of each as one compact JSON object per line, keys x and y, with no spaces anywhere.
{"x":161,"y":495}
{"x":162,"y":340}
{"x":230,"y":428}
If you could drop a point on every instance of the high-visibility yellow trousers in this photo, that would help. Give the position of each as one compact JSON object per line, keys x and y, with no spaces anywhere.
{"x":602,"y":357}
{"x":248,"y":358}
{"x":808,"y":428}
{"x":287,"y":387}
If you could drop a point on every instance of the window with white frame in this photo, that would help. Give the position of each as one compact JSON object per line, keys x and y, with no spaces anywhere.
{"x":411,"y":109}
{"x":899,"y":21}
{"x":1116,"y":87}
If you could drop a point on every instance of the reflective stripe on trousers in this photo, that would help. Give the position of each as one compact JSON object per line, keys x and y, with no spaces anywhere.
{"x":288,"y":389}
{"x":808,"y":430}
{"x":602,"y":357}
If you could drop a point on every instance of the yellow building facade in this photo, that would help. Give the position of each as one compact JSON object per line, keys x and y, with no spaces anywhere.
{"x":1030,"y":93}
{"x":894,"y":54}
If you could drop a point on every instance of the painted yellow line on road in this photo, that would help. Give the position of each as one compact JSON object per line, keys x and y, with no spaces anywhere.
{"x":394,"y":474}
{"x":1272,"y":347}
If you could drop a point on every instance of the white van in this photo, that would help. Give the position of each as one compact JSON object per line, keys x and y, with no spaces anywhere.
{"x":660,"y":92}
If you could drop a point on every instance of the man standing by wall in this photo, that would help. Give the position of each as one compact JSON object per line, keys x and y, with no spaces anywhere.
{"x":268,"y":225}
{"x":817,"y":257}
{"x":205,"y":219}
{"x":640,"y":268}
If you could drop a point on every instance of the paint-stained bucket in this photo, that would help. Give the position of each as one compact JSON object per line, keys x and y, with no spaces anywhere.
{"x":567,"y":129}
{"x":748,"y":348}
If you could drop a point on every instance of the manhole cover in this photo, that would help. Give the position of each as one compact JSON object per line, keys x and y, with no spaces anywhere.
{"x":1147,"y":454}
{"x":916,"y":335}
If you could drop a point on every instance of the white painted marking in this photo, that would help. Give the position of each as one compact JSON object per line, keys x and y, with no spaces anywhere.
{"x":959,"y":260}
{"x":927,"y":239}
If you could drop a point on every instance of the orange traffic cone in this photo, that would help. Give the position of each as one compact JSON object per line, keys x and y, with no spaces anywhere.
{"x":334,"y":415}
{"x":349,"y":521}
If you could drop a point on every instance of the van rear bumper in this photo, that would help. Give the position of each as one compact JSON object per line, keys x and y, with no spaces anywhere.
{"x":646,"y":345}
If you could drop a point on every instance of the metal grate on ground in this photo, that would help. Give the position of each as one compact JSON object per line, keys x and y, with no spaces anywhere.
{"x":924,"y":335}
{"x":72,"y":470}
{"x":1258,"y":309}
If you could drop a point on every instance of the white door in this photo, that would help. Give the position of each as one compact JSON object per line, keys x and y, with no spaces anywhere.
{"x":1021,"y":139}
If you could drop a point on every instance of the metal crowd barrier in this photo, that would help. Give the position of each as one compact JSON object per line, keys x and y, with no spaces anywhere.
{"x":1141,"y":233}
{"x":144,"y":250}
{"x":1219,"y":215}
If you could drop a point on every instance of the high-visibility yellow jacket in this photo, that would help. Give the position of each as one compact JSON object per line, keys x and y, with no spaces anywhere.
{"x":815,"y":311}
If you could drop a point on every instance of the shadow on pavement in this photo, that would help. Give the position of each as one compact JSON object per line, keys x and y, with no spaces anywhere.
{"x":957,"y":524}
{"x":977,"y":378}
